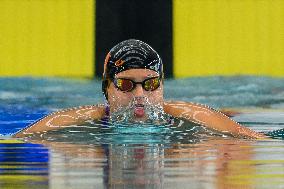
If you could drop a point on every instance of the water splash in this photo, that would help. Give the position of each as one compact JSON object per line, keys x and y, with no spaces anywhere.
{"x":154,"y":113}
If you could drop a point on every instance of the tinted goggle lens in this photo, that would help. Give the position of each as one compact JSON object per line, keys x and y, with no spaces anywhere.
{"x":150,"y":84}
{"x":124,"y":84}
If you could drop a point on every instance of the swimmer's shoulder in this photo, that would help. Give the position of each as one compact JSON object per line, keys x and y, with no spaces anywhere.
{"x":91,"y":111}
{"x":173,"y":105}
{"x":183,"y":104}
{"x":85,"y":112}
{"x":65,"y":117}
{"x":178,"y":108}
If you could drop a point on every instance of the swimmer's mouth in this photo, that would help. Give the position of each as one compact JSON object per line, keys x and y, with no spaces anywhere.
{"x":139,"y":110}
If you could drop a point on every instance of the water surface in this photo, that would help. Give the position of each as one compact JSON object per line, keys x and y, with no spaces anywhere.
{"x":177,"y":155}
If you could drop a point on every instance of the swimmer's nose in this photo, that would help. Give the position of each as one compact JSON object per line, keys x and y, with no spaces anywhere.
{"x":138,"y":91}
{"x":139,"y":100}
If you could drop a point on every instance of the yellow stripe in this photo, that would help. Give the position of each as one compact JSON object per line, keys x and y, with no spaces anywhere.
{"x":10,"y":141}
{"x":223,"y":37}
{"x":47,"y":38}
{"x":19,"y":178}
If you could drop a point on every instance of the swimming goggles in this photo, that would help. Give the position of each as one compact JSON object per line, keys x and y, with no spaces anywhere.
{"x":128,"y":85}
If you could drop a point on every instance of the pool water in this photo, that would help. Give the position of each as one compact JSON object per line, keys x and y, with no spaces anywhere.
{"x":173,"y":155}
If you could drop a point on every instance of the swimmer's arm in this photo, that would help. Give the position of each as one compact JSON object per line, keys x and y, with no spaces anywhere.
{"x":65,"y":118}
{"x":210,"y":118}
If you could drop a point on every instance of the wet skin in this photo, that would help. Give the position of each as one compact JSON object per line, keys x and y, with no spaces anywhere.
{"x":119,"y":100}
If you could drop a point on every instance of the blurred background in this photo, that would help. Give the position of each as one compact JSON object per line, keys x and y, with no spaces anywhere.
{"x":70,"y":38}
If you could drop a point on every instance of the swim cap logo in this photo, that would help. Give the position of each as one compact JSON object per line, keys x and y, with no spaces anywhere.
{"x":119,"y":62}
{"x":155,"y":67}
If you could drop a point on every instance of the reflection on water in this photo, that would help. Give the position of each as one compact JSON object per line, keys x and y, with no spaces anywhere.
{"x":215,"y":163}
{"x":23,"y":165}
{"x":178,"y":155}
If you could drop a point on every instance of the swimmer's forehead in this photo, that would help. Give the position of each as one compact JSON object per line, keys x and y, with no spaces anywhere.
{"x":137,"y":74}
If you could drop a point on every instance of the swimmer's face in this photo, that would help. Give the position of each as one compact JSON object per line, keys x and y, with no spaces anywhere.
{"x":138,"y":97}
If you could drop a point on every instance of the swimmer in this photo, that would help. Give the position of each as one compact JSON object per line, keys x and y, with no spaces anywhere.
{"x":133,"y":81}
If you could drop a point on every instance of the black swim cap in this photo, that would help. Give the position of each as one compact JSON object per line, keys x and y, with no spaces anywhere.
{"x":130,"y":54}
